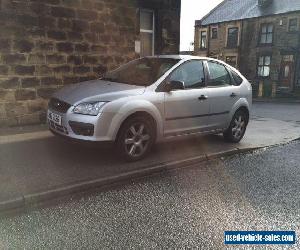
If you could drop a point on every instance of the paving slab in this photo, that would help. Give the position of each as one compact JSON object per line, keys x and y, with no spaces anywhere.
{"x":39,"y":165}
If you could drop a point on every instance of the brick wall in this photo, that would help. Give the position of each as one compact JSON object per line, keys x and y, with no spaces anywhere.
{"x":45,"y":44}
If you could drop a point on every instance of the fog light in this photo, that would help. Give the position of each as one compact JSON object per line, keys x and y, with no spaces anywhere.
{"x":80,"y":128}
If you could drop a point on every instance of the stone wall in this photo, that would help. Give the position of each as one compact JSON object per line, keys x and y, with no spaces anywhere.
{"x":283,"y":42}
{"x":45,"y":44}
{"x":249,"y":49}
{"x":217,"y":48}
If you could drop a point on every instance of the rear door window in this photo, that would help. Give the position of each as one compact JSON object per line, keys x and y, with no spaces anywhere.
{"x":237,"y":79}
{"x":218,"y":75}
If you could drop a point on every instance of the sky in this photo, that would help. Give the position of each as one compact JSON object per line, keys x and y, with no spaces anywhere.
{"x":192,"y":10}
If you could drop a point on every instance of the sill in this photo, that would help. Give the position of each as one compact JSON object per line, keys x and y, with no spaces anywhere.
{"x":265,"y":45}
{"x":263,"y":77}
{"x":293,"y":32}
{"x":232,"y":47}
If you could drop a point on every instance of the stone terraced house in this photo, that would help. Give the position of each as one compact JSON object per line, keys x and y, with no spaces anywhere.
{"x":259,"y":37}
{"x":45,"y":44}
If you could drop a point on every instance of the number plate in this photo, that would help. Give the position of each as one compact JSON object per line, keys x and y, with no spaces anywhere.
{"x":54,"y":118}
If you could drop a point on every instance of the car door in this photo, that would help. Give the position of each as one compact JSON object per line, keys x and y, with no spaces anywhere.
{"x":222,"y":94}
{"x":186,"y":110}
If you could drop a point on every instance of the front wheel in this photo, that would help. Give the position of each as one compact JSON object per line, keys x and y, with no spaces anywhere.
{"x":135,"y":139}
{"x":237,"y":128}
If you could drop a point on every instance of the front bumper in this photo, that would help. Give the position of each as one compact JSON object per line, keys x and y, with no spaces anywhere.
{"x":84,"y":127}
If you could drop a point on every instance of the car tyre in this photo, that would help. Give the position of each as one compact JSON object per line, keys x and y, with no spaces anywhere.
{"x":237,"y":128}
{"x":135,"y":138}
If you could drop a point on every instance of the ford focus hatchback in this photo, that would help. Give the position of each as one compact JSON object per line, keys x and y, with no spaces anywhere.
{"x":152,"y":99}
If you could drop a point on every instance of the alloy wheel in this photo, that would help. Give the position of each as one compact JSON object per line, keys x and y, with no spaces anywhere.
{"x":238,"y":127}
{"x":137,"y":140}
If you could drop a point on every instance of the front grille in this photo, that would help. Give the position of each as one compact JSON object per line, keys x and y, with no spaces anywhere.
{"x":59,"y":128}
{"x":58,"y":105}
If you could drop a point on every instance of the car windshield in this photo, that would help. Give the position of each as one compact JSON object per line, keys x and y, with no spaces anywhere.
{"x":141,"y":72}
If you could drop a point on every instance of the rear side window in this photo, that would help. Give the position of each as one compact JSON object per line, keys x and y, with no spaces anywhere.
{"x":237,"y":79}
{"x":218,"y":75}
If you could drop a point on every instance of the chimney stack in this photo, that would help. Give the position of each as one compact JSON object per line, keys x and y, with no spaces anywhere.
{"x":264,"y":3}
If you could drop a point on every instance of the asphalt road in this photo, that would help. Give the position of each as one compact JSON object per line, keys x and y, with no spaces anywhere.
{"x":176,"y":209}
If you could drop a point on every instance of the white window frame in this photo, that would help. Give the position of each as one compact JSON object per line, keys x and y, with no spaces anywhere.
{"x":297,"y":24}
{"x":200,"y":39}
{"x":267,"y":25}
{"x":153,"y":28}
{"x":238,"y":35}
{"x":211,"y":33}
{"x":264,"y":65}
{"x":232,"y":55}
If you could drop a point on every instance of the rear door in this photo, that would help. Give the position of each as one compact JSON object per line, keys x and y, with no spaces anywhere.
{"x":186,"y":110}
{"x":222,"y":93}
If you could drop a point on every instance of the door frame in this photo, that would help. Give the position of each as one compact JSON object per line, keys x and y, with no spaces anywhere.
{"x":291,"y":63}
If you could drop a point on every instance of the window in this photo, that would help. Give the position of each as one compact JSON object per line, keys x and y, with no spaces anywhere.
{"x":218,"y":75}
{"x":203,"y":39}
{"x":231,"y":60}
{"x":141,"y":72}
{"x":237,"y":79}
{"x":232,"y":37}
{"x":286,"y":71}
{"x":293,"y":24}
{"x":214,"y":33}
{"x":266,"y":36}
{"x":263,"y":69}
{"x":191,"y":73}
{"x":147,"y":32}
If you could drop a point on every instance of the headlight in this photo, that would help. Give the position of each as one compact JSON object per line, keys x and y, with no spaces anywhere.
{"x":89,"y":108}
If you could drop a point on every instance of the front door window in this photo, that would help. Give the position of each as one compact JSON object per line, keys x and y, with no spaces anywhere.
{"x":286,"y":70}
{"x":191,"y":73}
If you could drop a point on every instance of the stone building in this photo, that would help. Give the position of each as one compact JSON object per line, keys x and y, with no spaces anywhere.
{"x":45,"y":44}
{"x":259,"y":37}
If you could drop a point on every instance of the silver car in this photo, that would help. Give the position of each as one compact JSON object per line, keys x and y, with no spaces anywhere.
{"x":153,"y":99}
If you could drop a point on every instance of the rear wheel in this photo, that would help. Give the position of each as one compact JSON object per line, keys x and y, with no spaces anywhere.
{"x":136,"y":138}
{"x":237,"y":128}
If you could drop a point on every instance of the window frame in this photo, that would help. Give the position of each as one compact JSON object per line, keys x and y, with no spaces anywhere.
{"x":167,"y":79}
{"x":263,"y":65}
{"x":296,"y":26}
{"x":237,"y":38}
{"x":200,"y":42}
{"x":208,"y":75}
{"x":217,"y":32}
{"x":149,"y":31}
{"x":261,"y":33}
{"x":236,"y":60}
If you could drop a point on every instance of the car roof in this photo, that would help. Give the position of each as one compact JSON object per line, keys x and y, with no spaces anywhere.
{"x":186,"y":58}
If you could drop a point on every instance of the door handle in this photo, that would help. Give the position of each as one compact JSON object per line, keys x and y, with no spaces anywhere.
{"x":233,"y":95}
{"x":202,"y":97}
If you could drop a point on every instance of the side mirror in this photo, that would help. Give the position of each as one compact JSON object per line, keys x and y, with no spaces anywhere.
{"x":174,"y":85}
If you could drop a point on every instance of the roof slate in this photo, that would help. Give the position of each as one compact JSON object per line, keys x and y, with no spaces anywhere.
{"x":230,"y":10}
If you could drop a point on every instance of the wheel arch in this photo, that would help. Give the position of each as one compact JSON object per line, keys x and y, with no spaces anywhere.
{"x":246,"y":110}
{"x":145,"y":114}
{"x":138,"y":108}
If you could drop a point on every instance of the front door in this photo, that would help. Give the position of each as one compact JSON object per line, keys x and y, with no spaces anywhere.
{"x":186,"y":111}
{"x":286,"y":71}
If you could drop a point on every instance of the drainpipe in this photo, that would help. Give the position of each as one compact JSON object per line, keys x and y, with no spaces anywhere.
{"x":208,"y":40}
{"x":297,"y":63}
